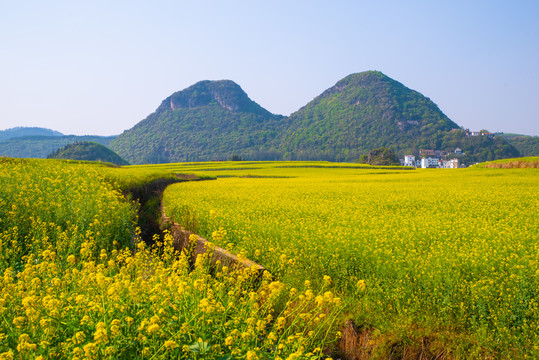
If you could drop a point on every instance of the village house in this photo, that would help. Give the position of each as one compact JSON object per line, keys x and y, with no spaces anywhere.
{"x":430,"y":163}
{"x":450,"y":164}
{"x":426,"y":152}
{"x":409,"y":160}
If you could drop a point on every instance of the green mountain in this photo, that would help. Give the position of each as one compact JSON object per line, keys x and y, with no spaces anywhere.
{"x":215,"y":120}
{"x":88,"y":151}
{"x":27,"y":131}
{"x":526,"y":145}
{"x":369,"y":110}
{"x":41,"y":146}
{"x":211,"y":120}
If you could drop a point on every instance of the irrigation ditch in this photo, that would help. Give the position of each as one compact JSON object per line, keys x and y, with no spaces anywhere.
{"x":356,"y":343}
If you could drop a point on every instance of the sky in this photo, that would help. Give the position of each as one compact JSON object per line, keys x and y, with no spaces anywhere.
{"x":99,"y":67}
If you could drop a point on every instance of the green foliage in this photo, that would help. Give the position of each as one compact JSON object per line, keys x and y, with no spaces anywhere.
{"x":208,"y":121}
{"x":88,"y":151}
{"x":526,"y":145}
{"x":381,"y":156}
{"x":364,"y":111}
{"x":236,"y":158}
{"x":478,"y":148}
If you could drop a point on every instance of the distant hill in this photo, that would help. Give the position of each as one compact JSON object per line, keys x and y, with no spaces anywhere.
{"x":27,"y":131}
{"x":526,"y":145}
{"x":211,"y":120}
{"x":41,"y":146}
{"x":216,"y":120}
{"x":369,"y":110}
{"x":88,"y":151}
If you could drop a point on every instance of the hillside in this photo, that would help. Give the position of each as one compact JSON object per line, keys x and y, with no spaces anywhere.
{"x":214,"y":120}
{"x":88,"y":151}
{"x":526,"y":145}
{"x":41,"y":146}
{"x":27,"y":131}
{"x":369,"y":110}
{"x":211,"y":120}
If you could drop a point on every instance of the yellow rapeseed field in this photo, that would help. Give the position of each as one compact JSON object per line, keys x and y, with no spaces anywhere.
{"x":76,"y":282}
{"x":446,"y":253}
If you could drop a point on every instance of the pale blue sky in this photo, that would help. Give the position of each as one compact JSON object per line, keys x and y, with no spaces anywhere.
{"x":99,"y":67}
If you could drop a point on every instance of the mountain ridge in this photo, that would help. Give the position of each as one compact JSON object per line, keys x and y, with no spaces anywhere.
{"x":40,"y":146}
{"x":215,"y":120}
{"x":226,"y":93}
{"x":20,"y":131}
{"x":206,"y":121}
{"x":359,"y":112}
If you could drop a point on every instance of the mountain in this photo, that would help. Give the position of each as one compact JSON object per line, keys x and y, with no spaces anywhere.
{"x":526,"y":145}
{"x":41,"y":146}
{"x":215,"y":120}
{"x":369,"y":110}
{"x":88,"y":151}
{"x":27,"y":131}
{"x":210,"y":120}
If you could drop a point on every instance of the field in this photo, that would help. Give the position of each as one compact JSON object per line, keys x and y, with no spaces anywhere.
{"x":77,"y":283}
{"x":450,"y":256}
{"x":432,"y":263}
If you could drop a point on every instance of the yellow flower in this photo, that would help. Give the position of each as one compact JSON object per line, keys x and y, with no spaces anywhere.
{"x":79,"y":337}
{"x":115,"y":327}
{"x":19,"y":321}
{"x":90,"y":350}
{"x":280,"y":322}
{"x":153,"y":328}
{"x":170,"y":344}
{"x":327,"y":280}
{"x":8,"y":355}
{"x":361,"y":285}
{"x":100,"y":334}
{"x":251,"y":355}
{"x":110,"y":351}
{"x":28,"y":301}
{"x":71,"y":259}
{"x":25,"y":343}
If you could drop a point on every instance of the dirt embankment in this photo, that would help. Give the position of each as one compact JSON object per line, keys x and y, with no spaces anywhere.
{"x":516,"y":164}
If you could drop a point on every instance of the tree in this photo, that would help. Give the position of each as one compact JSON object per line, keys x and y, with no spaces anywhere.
{"x":382,"y":156}
{"x":236,"y":158}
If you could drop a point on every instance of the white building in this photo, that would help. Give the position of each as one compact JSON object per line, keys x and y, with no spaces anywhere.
{"x":451,"y":164}
{"x":430,"y":163}
{"x":409,"y":160}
